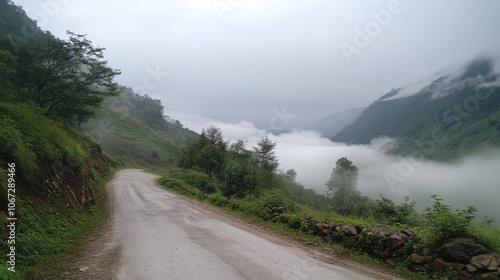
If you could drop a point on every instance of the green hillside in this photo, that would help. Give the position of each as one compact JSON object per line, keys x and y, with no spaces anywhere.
{"x":131,"y":140}
{"x":467,"y":118}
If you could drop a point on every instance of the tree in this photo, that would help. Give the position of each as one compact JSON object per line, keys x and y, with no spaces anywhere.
{"x":291,"y":174}
{"x":7,"y":74}
{"x":342,"y":185}
{"x":68,"y":79}
{"x":214,"y":135}
{"x":265,"y":155}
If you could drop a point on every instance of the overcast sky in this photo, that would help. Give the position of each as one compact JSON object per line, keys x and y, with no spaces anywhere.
{"x":235,"y":60}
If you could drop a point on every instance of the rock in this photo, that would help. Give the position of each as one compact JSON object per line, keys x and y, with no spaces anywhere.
{"x":280,"y":210}
{"x":458,"y":266}
{"x":461,"y":250}
{"x":408,"y":232}
{"x":464,"y":275}
{"x":341,"y":228}
{"x":471,"y":268}
{"x":83,"y":268}
{"x":485,"y":261}
{"x":351,"y":232}
{"x":488,"y":276}
{"x":417,"y":259}
{"x":359,"y":229}
{"x":382,"y":231}
{"x":396,"y":240}
{"x":439,"y":265}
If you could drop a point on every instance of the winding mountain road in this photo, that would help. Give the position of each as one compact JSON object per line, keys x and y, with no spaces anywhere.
{"x":156,"y":234}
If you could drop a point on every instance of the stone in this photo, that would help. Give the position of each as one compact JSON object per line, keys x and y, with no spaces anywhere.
{"x":458,"y":266}
{"x":471,"y":268}
{"x":485,"y":261}
{"x":464,"y":275}
{"x":396,"y":240}
{"x":417,"y":259}
{"x":280,"y":210}
{"x":351,"y":232}
{"x":461,"y":250}
{"x":488,"y":276}
{"x":83,"y":268}
{"x":408,"y":232}
{"x":439,"y":265}
{"x":359,"y":229}
{"x":494,"y":264}
{"x":382,"y":231}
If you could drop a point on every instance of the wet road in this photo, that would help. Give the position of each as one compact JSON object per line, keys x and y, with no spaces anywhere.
{"x":162,"y":235}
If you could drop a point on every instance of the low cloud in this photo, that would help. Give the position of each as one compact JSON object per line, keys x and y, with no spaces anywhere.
{"x":471,"y":180}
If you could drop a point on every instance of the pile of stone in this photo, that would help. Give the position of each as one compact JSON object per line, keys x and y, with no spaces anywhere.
{"x":470,"y":259}
{"x":276,"y":212}
{"x":467,"y":258}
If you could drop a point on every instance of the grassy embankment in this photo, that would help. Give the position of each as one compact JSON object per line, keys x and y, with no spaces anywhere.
{"x":59,"y":199}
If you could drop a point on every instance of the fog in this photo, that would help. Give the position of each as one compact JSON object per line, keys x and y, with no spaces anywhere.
{"x":471,"y":180}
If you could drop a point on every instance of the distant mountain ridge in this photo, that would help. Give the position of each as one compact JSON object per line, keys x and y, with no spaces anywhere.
{"x":451,"y":116}
{"x":333,"y":123}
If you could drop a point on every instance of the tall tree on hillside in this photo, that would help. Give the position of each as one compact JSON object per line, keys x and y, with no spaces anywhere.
{"x":214,"y":135}
{"x":342,"y":185}
{"x":265,"y":155}
{"x":68,"y":79}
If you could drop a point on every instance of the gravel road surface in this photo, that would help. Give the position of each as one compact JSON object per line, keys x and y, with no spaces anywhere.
{"x":156,"y":234}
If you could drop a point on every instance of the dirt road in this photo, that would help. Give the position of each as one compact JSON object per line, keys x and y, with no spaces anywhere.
{"x":156,"y":234}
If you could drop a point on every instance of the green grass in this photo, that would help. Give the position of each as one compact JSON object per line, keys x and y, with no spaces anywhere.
{"x":46,"y":154}
{"x":130,"y":140}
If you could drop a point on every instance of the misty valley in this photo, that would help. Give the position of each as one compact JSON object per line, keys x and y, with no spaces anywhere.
{"x":244,"y":147}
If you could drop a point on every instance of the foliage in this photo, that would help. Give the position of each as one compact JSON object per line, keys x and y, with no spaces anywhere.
{"x":131,"y":140}
{"x":442,"y":222}
{"x":150,"y":112}
{"x":404,"y":213}
{"x":342,"y":185}
{"x":265,"y":155}
{"x":67,"y":79}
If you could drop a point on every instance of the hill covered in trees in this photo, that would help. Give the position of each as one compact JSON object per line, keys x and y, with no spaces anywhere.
{"x":451,"y":116}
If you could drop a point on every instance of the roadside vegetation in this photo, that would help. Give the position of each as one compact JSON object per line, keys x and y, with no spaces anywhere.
{"x":249,"y":183}
{"x":48,"y":88}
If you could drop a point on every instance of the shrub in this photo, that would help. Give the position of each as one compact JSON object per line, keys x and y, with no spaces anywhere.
{"x":217,"y":199}
{"x":443,"y":223}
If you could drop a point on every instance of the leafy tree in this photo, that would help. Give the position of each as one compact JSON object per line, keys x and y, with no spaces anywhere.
{"x":68,"y":79}
{"x":291,"y":174}
{"x":207,"y":153}
{"x":7,"y":75}
{"x":342,"y":185}
{"x":265,"y":154}
{"x":214,"y":136}
{"x":404,"y":213}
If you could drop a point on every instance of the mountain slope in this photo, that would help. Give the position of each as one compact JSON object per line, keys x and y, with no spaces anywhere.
{"x":333,"y":123}
{"x":131,"y":140}
{"x":449,"y":117}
